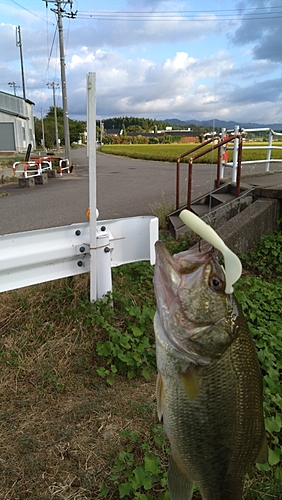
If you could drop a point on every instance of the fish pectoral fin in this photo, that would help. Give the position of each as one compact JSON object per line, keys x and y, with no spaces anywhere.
{"x":190,"y":382}
{"x":179,"y":484}
{"x":160,"y":396}
{"x":263,"y":453}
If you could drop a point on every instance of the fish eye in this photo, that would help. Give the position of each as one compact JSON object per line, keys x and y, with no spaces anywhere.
{"x":216,"y":283}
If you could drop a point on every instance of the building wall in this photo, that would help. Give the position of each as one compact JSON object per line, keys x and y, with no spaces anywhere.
{"x":16,"y":124}
{"x":190,"y":139}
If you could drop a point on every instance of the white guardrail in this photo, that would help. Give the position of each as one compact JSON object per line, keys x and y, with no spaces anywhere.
{"x":47,"y":254}
{"x":96,"y":246}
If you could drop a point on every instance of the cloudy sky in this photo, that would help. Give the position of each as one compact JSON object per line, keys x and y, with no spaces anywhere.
{"x":162,"y":59}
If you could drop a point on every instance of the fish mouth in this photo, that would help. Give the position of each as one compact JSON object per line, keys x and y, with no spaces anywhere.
{"x":172,"y":270}
{"x":184,"y":261}
{"x":191,"y":311}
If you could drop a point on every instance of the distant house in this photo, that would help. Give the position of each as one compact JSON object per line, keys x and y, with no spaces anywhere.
{"x":186,"y":135}
{"x":16,"y":124}
{"x":114,"y":132}
{"x":210,"y":135}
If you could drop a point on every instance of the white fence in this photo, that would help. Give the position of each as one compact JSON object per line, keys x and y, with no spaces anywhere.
{"x":269,"y":148}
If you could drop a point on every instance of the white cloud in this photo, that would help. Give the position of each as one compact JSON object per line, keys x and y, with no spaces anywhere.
{"x":202,"y":68}
{"x":262,"y":30}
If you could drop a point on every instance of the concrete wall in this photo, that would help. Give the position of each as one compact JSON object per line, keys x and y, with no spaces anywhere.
{"x":243,"y":231}
{"x":225,"y":212}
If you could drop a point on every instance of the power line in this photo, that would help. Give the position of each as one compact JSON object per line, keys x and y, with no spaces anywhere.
{"x":197,"y":11}
{"x":271,"y":12}
{"x":175,"y":17}
{"x":30,"y":12}
{"x":186,"y":15}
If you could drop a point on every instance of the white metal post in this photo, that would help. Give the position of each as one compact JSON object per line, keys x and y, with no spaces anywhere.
{"x":268,"y":155}
{"x":104,"y":272}
{"x":222,"y":150}
{"x":91,"y":149}
{"x":235,"y":154}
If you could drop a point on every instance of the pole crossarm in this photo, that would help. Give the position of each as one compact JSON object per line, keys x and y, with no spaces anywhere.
{"x":59,"y":10}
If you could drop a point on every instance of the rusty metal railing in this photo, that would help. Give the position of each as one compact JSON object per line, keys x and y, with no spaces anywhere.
{"x":217,"y":146}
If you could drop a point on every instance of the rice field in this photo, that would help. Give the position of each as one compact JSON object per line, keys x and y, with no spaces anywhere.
{"x":170,"y":152}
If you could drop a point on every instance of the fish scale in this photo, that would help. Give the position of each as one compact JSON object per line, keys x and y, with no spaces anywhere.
{"x":216,"y":431}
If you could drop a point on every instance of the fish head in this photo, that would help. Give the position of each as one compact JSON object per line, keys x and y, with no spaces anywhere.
{"x":197,"y":316}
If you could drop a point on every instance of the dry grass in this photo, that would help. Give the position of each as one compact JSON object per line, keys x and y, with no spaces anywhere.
{"x":60,"y":422}
{"x":63,"y":446}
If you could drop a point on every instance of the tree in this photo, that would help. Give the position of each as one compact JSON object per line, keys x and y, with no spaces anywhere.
{"x":135,"y":128}
{"x":75,"y":128}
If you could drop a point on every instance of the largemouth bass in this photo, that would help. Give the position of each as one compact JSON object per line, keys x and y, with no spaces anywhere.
{"x":209,"y":386}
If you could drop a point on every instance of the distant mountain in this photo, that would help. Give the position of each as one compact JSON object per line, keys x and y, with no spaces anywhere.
{"x":221,"y":124}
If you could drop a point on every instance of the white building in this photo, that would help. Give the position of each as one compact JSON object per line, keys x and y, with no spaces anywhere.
{"x":16,"y":123}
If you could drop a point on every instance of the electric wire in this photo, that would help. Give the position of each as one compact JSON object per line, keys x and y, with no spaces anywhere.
{"x":48,"y":64}
{"x":154,"y":18}
{"x":30,"y":12}
{"x":193,"y":11}
{"x":209,"y":15}
{"x":271,"y":12}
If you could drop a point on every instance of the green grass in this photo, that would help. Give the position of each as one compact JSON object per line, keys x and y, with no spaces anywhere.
{"x":9,"y":160}
{"x":78,"y":415}
{"x":170,"y":152}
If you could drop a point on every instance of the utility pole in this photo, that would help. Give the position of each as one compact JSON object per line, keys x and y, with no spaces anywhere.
{"x":15,"y":86}
{"x":101,"y":131}
{"x":54,"y":85}
{"x":19,"y":44}
{"x":60,"y":13}
{"x":43,"y":133}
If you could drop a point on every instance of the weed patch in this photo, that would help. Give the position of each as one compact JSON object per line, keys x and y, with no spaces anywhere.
{"x":266,"y":258}
{"x":261,"y":303}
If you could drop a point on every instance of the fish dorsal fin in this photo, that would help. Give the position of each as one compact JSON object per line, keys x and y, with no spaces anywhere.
{"x":263,"y":453}
{"x":160,"y":396}
{"x":190,"y":382}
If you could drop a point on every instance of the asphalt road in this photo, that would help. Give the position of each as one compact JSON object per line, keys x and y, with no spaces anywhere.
{"x":125,"y":187}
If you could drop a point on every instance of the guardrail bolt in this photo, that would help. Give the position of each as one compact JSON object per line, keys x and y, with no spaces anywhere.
{"x":103,"y":228}
{"x":80,"y":263}
{"x":78,"y":232}
{"x":107,"y":250}
{"x":82,"y":249}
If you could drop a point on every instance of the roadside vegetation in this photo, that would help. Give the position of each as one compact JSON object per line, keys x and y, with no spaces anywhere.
{"x":77,"y":387}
